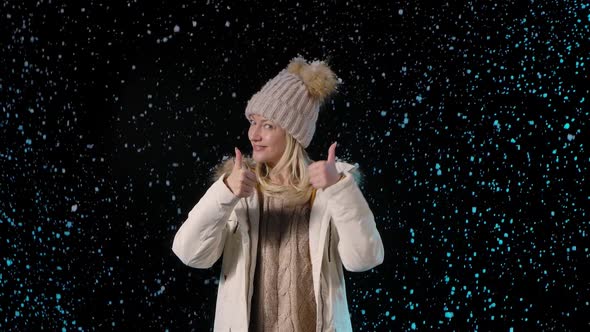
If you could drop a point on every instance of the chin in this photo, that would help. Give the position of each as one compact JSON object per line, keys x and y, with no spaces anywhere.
{"x":259,"y":159}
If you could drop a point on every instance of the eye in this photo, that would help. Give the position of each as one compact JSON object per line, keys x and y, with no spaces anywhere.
{"x":268,"y":126}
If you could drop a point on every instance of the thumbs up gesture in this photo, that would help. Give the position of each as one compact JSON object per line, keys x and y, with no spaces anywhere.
{"x":241,"y":181}
{"x":323,"y":173}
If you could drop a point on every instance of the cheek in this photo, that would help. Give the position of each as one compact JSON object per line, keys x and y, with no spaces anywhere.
{"x":281,"y":144}
{"x":276,"y":140}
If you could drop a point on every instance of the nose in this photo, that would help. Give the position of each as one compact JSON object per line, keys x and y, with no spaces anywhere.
{"x":254,"y":133}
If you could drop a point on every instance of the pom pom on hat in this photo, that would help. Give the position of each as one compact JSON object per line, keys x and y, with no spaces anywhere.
{"x":317,"y":76}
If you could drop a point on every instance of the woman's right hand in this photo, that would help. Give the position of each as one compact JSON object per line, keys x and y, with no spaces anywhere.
{"x":241,"y":181}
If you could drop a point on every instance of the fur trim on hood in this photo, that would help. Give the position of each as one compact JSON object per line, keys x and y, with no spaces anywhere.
{"x":227,"y":165}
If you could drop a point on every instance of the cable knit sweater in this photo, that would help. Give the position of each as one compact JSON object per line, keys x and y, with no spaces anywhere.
{"x":283,"y":298}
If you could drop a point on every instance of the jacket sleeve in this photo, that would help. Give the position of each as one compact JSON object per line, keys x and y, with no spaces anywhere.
{"x":200,"y":239}
{"x":360,"y":246}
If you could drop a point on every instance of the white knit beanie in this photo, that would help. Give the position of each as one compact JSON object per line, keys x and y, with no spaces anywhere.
{"x":292,"y":99}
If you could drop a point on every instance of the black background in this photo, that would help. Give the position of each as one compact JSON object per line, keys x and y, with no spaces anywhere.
{"x":468,"y":120}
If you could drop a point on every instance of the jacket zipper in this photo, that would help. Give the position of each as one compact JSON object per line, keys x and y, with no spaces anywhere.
{"x":248,"y":265}
{"x":237,"y":225}
{"x":329,"y":238}
{"x":249,"y":262}
{"x":321,"y":306}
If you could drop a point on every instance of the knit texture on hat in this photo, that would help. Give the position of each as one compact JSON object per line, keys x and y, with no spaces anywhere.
{"x":292,"y":99}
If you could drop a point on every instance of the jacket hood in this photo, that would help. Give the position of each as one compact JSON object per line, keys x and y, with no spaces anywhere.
{"x":227,"y":164}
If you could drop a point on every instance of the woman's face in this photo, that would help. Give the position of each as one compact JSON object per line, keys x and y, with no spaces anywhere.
{"x":268,"y":140}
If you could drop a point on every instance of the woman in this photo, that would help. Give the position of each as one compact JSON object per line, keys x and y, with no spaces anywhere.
{"x":285,"y":225}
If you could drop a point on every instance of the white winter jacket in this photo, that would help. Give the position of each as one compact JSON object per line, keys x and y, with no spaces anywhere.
{"x":342,"y":232}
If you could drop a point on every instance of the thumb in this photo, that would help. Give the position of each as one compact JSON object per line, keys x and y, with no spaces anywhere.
{"x":238,"y":160}
{"x":332,"y":153}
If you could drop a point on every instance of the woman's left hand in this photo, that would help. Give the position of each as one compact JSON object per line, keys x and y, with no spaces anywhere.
{"x":323,"y":173}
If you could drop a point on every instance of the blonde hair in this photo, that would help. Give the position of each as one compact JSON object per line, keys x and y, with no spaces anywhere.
{"x":295,"y":160}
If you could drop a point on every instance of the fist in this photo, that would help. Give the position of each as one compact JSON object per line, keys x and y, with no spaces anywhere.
{"x":241,"y":181}
{"x":323,"y":173}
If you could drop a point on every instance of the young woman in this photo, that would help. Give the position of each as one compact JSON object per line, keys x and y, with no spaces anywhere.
{"x":286,"y":225}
